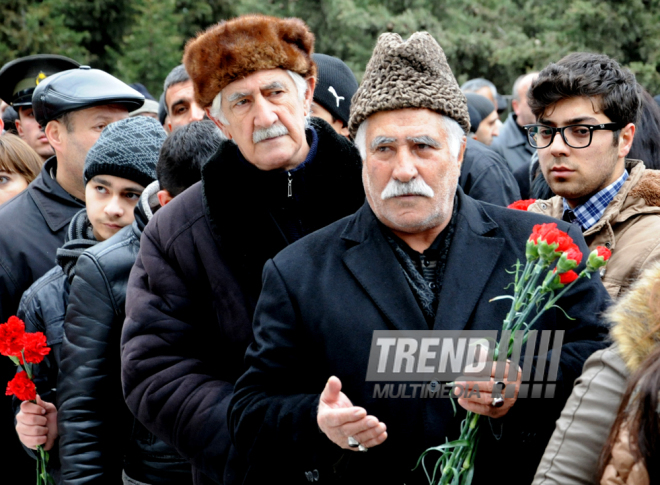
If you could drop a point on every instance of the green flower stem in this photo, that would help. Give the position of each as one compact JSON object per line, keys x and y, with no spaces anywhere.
{"x":456,"y":462}
{"x":531,"y":283}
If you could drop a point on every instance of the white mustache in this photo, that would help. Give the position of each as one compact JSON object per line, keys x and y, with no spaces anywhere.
{"x":416,"y":186}
{"x":271,"y":132}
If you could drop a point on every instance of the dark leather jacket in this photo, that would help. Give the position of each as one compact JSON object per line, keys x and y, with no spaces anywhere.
{"x":98,"y":435}
{"x":34,"y":225}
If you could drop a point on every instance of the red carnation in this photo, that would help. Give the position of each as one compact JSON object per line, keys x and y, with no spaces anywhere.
{"x":35,"y":348}
{"x":564,"y":241}
{"x":22,"y":387}
{"x":574,"y":253}
{"x":570,"y":259}
{"x":521,"y":205}
{"x":598,"y":258}
{"x":12,"y":337}
{"x":568,"y":277}
{"x":604,"y":253}
{"x":551,"y":241}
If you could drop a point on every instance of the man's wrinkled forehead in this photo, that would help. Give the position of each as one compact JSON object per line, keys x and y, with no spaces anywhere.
{"x":258,"y":80}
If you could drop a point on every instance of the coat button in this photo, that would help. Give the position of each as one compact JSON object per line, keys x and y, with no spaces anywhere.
{"x":608,"y":245}
{"x":433,"y":385}
{"x":432,"y":286}
{"x":544,"y":206}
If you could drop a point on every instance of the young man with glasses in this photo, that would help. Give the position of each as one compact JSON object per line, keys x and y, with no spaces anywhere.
{"x":586,"y":107}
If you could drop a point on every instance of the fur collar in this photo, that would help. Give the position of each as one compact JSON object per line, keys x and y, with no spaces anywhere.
{"x":636,"y":326}
{"x":239,"y":199}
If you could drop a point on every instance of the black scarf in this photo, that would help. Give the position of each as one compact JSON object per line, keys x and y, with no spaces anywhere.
{"x":79,"y":237}
{"x":426,"y":297}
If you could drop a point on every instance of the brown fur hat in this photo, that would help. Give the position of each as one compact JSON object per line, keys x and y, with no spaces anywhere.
{"x":236,"y":48}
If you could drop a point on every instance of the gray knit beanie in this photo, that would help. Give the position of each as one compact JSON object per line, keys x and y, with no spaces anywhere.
{"x":128,"y":149}
{"x":410,"y":74}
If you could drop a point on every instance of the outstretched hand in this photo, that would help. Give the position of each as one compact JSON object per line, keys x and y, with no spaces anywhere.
{"x":339,"y":419}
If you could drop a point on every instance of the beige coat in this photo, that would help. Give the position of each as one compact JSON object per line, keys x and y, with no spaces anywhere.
{"x":630,"y":227}
{"x":571,"y":457}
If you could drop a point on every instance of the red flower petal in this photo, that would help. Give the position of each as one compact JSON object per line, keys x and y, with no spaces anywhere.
{"x":568,"y":277}
{"x":603,"y":252}
{"x":12,"y":337}
{"x":22,"y":387}
{"x":574,"y":253}
{"x":521,"y":204}
{"x":35,"y":348}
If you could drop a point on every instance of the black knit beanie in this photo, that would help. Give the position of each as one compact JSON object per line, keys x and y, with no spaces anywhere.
{"x":481,"y":104}
{"x":128,"y":149}
{"x":475,"y":118}
{"x":335,"y":86}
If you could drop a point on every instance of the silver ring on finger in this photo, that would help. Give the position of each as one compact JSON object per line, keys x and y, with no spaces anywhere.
{"x":497,"y":402}
{"x":352,"y":442}
{"x":362,"y":448}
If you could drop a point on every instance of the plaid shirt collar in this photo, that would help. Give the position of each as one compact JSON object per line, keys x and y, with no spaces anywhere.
{"x":592,"y":210}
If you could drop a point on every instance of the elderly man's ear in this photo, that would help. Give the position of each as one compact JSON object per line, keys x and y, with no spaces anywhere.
{"x":309,"y":95}
{"x":222,"y":127}
{"x":461,"y":152}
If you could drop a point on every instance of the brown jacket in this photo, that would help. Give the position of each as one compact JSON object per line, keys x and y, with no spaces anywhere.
{"x":630,"y":227}
{"x":571,"y":457}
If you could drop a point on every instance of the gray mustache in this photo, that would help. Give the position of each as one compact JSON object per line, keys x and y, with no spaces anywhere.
{"x":271,"y":132}
{"x":416,"y":186}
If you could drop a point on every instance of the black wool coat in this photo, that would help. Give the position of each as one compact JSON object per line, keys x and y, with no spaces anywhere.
{"x":324,"y":297}
{"x":485,"y":176}
{"x":195,"y":284}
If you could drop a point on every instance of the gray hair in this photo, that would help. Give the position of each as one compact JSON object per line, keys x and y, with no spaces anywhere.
{"x":517,"y":83}
{"x":298,"y":80}
{"x":474,"y":85}
{"x":453,"y":130}
{"x":177,"y":75}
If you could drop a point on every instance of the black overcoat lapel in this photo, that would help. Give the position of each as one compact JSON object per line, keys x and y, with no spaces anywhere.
{"x":373,"y":264}
{"x":472,"y":258}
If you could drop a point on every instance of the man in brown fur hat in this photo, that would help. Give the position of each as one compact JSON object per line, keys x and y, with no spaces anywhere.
{"x":419,"y":257}
{"x":194,"y":287}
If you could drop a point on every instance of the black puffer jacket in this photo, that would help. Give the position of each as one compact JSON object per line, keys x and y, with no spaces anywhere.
{"x":98,"y":435}
{"x":196,"y":281}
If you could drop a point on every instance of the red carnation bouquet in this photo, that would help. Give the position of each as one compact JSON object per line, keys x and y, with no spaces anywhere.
{"x":25,"y":350}
{"x":548,"y":274}
{"x":521,"y":205}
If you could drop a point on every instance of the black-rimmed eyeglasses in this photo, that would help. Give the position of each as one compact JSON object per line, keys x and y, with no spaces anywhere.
{"x":575,"y":136}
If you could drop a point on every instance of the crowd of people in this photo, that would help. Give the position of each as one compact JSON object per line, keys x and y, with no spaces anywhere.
{"x":210,"y":267}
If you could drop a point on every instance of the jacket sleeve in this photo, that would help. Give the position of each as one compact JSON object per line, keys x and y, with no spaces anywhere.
{"x":169,"y":369}
{"x":273,"y":412}
{"x":89,"y":391}
{"x":571,"y":457}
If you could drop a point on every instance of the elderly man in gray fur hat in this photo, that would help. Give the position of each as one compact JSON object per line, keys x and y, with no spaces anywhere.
{"x":418,"y":256}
